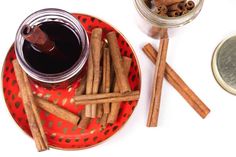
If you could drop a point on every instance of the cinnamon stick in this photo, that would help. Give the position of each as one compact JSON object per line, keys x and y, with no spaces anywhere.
{"x":190,"y":5}
{"x":176,"y":81}
{"x":162,"y":10}
{"x":166,"y":2}
{"x":30,"y":108}
{"x":100,"y":107}
{"x":113,"y":76}
{"x":103,"y":120}
{"x":34,"y":108}
{"x":157,"y":86}
{"x":115,"y":107}
{"x":103,"y":76}
{"x":99,"y":110}
{"x":148,"y":3}
{"x":174,"y":13}
{"x":96,"y":44}
{"x":106,"y":77}
{"x":103,"y":95}
{"x":82,"y":87}
{"x":177,"y":7}
{"x":57,"y":111}
{"x":38,"y":38}
{"x":84,"y":121}
{"x":106,"y":97}
{"x":89,"y":85}
{"x":117,"y":62}
{"x":184,"y":11}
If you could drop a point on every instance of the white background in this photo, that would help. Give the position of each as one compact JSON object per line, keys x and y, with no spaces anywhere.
{"x":181,"y":132}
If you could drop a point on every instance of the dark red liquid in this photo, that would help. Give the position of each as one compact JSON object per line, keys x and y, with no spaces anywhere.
{"x":63,"y":57}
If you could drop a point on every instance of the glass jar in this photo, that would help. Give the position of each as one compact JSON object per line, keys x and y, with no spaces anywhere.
{"x":151,"y":23}
{"x":66,"y":77}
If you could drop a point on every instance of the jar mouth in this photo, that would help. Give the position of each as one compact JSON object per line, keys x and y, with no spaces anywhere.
{"x":165,"y":21}
{"x":57,"y":15}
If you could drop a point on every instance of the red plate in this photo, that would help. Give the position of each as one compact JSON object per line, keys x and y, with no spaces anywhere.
{"x":61,"y":134}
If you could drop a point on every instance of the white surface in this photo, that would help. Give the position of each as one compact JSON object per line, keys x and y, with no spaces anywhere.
{"x":181,"y":132}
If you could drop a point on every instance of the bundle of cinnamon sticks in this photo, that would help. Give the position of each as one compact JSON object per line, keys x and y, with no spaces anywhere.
{"x":106,"y":84}
{"x":170,"y":8}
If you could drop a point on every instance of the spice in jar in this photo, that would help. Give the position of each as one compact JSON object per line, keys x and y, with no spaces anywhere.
{"x":170,"y":8}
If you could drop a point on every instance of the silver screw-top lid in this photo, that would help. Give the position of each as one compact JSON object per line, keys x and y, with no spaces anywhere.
{"x":224,"y":64}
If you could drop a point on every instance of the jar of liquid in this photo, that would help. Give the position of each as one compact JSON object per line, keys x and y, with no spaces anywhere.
{"x":153,"y":24}
{"x":65,"y":63}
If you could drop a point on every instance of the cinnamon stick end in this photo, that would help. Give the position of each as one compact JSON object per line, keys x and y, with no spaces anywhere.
{"x":152,"y":124}
{"x":206,"y":112}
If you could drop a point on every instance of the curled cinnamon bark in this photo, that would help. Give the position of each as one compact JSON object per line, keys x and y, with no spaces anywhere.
{"x":177,"y":7}
{"x":190,"y":5}
{"x":89,"y":84}
{"x":122,"y":80}
{"x":157,"y":85}
{"x":57,"y":111}
{"x":166,"y":2}
{"x":82,"y":87}
{"x":115,"y":106}
{"x":106,"y":97}
{"x":38,"y":38}
{"x":174,"y":13}
{"x":106,"y":77}
{"x":30,"y":107}
{"x":96,"y":44}
{"x":162,"y":10}
{"x":84,"y":121}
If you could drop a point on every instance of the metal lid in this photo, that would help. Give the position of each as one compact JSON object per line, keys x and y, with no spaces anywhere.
{"x":224,"y":64}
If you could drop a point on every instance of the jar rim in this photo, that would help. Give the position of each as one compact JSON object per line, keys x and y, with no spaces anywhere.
{"x":76,"y":26}
{"x":165,"y":21}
